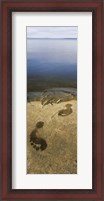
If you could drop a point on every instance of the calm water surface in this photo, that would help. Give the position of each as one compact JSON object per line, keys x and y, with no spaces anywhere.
{"x":51,"y":63}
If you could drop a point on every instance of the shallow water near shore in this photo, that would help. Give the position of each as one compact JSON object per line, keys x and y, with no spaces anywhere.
{"x":55,"y":93}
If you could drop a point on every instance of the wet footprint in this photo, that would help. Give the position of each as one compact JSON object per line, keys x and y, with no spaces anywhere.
{"x":37,"y":142}
{"x":64,"y":112}
{"x":67,"y":111}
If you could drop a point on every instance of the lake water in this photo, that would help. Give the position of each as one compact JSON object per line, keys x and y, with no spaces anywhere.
{"x":51,"y":63}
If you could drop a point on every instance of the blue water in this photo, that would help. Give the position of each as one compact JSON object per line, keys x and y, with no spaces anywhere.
{"x":51,"y":63}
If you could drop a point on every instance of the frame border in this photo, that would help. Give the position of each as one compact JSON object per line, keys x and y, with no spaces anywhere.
{"x":96,"y":7}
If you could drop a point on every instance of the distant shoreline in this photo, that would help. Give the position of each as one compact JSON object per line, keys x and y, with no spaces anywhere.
{"x":55,"y":38}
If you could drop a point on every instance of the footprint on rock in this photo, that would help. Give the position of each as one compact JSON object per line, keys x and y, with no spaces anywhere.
{"x":37,"y":142}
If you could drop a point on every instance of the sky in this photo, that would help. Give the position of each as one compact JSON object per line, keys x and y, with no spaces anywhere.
{"x":52,"y":32}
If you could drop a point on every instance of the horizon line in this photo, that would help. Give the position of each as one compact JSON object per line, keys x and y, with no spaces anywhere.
{"x":49,"y":38}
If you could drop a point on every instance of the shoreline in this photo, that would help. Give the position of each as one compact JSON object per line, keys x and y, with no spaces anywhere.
{"x":64,"y":94}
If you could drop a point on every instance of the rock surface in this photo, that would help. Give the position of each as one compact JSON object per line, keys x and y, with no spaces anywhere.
{"x":60,"y":134}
